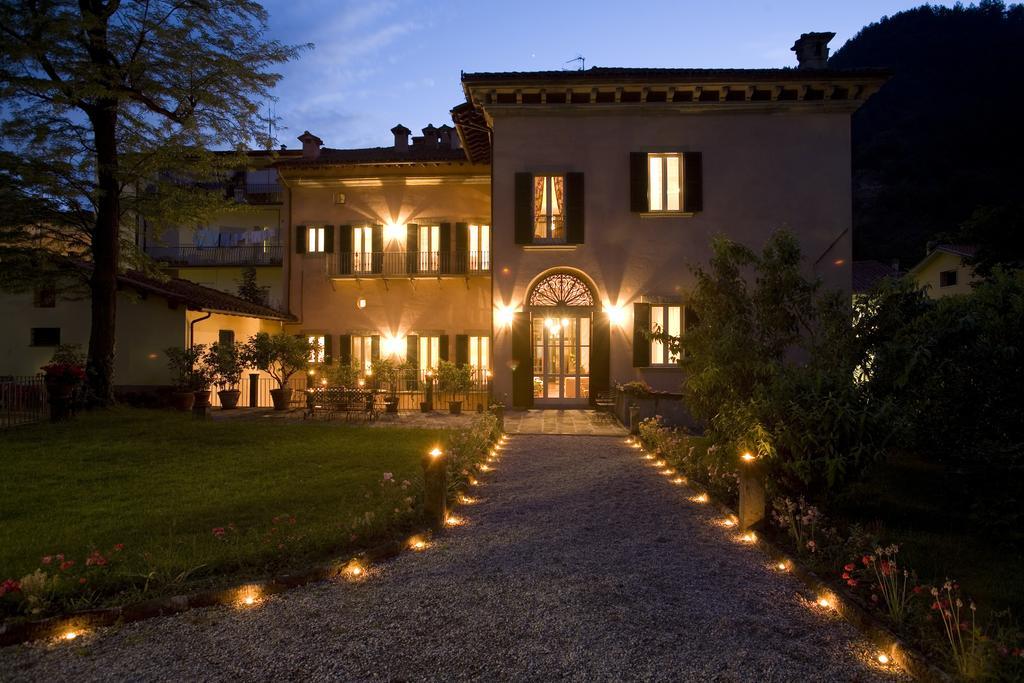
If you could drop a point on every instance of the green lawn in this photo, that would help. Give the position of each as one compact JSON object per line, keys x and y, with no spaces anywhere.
{"x":160,"y":483}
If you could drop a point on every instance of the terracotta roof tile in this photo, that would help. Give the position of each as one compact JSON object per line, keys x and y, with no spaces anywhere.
{"x":690,"y":75}
{"x":378,"y":155}
{"x":199,"y":297}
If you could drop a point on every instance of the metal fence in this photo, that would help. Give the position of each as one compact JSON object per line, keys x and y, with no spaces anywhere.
{"x":247,"y":255}
{"x":254,"y":392}
{"x":23,"y":400}
{"x":408,"y":263}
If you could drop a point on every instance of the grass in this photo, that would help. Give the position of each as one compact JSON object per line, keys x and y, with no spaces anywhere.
{"x":917,"y":504}
{"x":159,"y":483}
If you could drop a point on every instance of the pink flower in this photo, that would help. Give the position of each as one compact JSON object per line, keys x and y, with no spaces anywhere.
{"x":388,"y":476}
{"x":851,"y":582}
{"x":118,"y":547}
{"x":9,"y":586}
{"x":66,"y":565}
{"x":846,"y":575}
{"x":218,"y":531}
{"x":95,"y":559}
{"x":874,"y":598}
{"x":849,"y":567}
{"x":47,"y":559}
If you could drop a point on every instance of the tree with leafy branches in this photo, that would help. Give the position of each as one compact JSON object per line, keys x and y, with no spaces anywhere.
{"x":110,"y":110}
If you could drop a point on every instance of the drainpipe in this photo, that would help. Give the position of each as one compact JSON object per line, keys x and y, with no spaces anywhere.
{"x":192,"y":328}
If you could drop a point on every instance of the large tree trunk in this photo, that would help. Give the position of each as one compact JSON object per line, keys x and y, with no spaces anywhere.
{"x":106,"y":251}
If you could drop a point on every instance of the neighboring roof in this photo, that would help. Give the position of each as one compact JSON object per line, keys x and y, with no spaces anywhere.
{"x":473,"y":132}
{"x":198,"y":297}
{"x":867,"y":273}
{"x":627,"y":74}
{"x":964,"y":251}
{"x":378,"y":155}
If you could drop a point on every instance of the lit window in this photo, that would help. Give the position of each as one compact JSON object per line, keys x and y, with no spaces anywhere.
{"x":668,"y":320}
{"x":316,"y":348}
{"x":548,"y":208}
{"x":362,"y":249}
{"x":430,"y":352}
{"x":480,"y":353}
{"x":665,"y":174}
{"x":479,"y":247}
{"x":430,"y":249}
{"x":315,"y":240}
{"x":362,"y":352}
{"x":947,"y":278}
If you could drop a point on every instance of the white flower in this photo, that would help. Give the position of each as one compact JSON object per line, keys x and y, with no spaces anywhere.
{"x":388,"y":476}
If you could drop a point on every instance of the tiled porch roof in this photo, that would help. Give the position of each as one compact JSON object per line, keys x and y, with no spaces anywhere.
{"x":198,"y":297}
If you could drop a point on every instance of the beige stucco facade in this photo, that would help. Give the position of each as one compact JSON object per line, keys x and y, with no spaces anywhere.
{"x":934,"y":271}
{"x":394,"y":304}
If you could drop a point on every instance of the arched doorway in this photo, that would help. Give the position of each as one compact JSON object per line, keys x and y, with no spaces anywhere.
{"x":567,"y":336}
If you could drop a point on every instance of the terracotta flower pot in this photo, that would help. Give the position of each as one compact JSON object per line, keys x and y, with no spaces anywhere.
{"x":281,"y":397}
{"x":202,"y":399}
{"x":229,"y":398}
{"x":455,"y":407}
{"x":426,"y":406}
{"x":183,"y":400}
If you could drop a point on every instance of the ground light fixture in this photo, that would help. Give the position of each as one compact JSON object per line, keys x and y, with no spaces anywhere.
{"x":824,"y":602}
{"x":700,"y":498}
{"x":453,"y":520}
{"x":70,"y":635}
{"x":435,"y":452}
{"x":781,"y":566}
{"x":749,"y":537}
{"x":417,"y":543}
{"x":883,"y":658}
{"x":748,"y":457}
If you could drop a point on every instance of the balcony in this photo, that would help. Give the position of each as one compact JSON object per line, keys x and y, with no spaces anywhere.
{"x":253,"y":255}
{"x":258,"y":193}
{"x":411,"y":264}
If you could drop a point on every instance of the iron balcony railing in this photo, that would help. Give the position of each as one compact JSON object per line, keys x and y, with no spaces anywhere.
{"x":258,"y":193}
{"x":408,"y":264}
{"x":252,"y":255}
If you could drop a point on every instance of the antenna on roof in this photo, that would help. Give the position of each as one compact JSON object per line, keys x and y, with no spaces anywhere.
{"x":578,"y":58}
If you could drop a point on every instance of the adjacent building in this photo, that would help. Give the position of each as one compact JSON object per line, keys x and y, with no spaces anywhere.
{"x":945,"y":271}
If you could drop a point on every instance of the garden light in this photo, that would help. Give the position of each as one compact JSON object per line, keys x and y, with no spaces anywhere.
{"x":824,"y":602}
{"x":354,"y":569}
{"x":648,"y":456}
{"x":659,"y":463}
{"x":679,"y":481}
{"x":473,"y":481}
{"x":485,"y":468}
{"x":452,"y":520}
{"x":749,"y":537}
{"x":362,"y":382}
{"x":728,"y":522}
{"x":436,"y":452}
{"x":883,"y":658}
{"x":417,"y":543}
{"x":70,"y":635}
{"x":747,"y":457}
{"x":466,"y":500}
{"x":701,"y":498}
{"x":781,"y":566}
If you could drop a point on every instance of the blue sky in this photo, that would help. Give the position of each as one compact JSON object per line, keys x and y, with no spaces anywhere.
{"x":380,"y":62}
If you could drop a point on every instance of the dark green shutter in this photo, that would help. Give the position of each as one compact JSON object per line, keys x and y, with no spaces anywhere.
{"x":462,"y":349}
{"x":412,"y":351}
{"x":638,"y":201}
{"x":328,"y":349}
{"x":345,"y":349}
{"x":524,"y":208}
{"x":522,"y":360}
{"x":461,"y":247}
{"x":574,"y":208}
{"x":377,"y":244}
{"x":345,"y":235}
{"x":600,"y":357}
{"x":693,"y":182}
{"x":446,"y":247}
{"x":300,"y":239}
{"x":442,"y":347}
{"x":329,"y":239}
{"x":375,"y":347}
{"x":412,"y":248}
{"x":226,"y":337}
{"x":641,"y":342}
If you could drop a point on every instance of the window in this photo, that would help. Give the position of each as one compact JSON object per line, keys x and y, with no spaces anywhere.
{"x":667,"y":319}
{"x":226,"y":337}
{"x":44,"y":297}
{"x":362,"y":249}
{"x":430,"y":352}
{"x":316,"y":240}
{"x":362,"y":352}
{"x":317,"y":345}
{"x":548,"y":208}
{"x":947,"y":278}
{"x":45,"y":336}
{"x":480,"y":353}
{"x":664,"y":182}
{"x":479,"y":247}
{"x":430,"y":248}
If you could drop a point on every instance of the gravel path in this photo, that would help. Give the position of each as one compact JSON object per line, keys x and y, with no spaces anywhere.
{"x":577,"y":562}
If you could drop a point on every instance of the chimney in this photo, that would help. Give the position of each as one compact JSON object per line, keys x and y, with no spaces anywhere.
{"x":401,"y":137}
{"x":430,"y":136}
{"x":449,"y":140}
{"x":812,"y":50}
{"x":310,"y":145}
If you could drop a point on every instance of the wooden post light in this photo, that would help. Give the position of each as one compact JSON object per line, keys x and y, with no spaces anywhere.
{"x":634,"y":420}
{"x":752,"y":495}
{"x":435,"y":487}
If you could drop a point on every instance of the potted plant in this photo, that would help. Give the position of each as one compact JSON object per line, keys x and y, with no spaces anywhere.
{"x":280,"y":356}
{"x":191,"y":376}
{"x":427,"y":404}
{"x":342,"y":375}
{"x":388,"y":374}
{"x":225,"y":364}
{"x":454,"y":379}
{"x":62,"y":375}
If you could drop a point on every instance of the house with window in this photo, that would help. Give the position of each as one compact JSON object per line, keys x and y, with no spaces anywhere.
{"x":607,"y":184}
{"x":390,"y":252}
{"x":945,"y":271}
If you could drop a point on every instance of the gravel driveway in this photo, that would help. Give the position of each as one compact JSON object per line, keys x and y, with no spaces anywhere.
{"x":577,"y":562}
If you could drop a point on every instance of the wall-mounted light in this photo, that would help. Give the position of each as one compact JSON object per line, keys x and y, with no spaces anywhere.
{"x":394,"y":231}
{"x":392,"y":345}
{"x":360,"y":302}
{"x":504,"y":315}
{"x":616,"y":315}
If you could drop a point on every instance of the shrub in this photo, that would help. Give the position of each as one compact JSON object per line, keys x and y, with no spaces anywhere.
{"x":281,"y":355}
{"x":188,"y":365}
{"x":468,"y":448}
{"x":225,"y":364}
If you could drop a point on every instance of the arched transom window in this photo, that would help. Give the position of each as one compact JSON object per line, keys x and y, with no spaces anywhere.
{"x":561,"y":289}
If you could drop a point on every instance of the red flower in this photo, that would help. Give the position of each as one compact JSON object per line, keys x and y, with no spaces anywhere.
{"x":118,"y":547}
{"x":95,"y":559}
{"x":936,"y":605}
{"x":9,"y":586}
{"x":47,"y":559}
{"x":849,"y":567}
{"x":866,"y":560}
{"x":66,"y":565}
{"x":918,"y":590}
{"x":218,"y":531}
{"x":885,"y":568}
{"x":846,"y":575}
{"x":851,"y":582}
{"x":82,"y":581}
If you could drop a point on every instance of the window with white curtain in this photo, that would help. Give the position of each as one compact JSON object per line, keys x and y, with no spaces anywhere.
{"x":315,"y":240}
{"x":665,"y":176}
{"x":480,"y":353}
{"x":479,"y":247}
{"x":430,"y":248}
{"x":316,"y":348}
{"x":549,"y":208}
{"x":430,"y":352}
{"x":668,"y":320}
{"x":362,"y":249}
{"x":362,"y":352}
